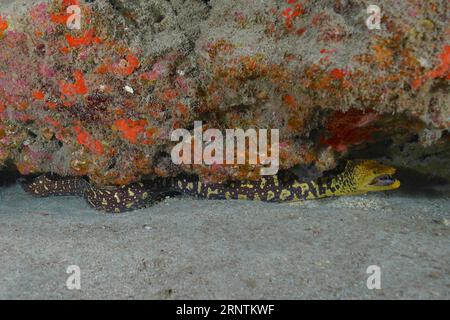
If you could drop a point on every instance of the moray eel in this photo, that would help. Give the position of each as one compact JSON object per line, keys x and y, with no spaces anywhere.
{"x":358,"y":177}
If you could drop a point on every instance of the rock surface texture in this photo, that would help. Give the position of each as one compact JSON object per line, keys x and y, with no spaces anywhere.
{"x":102,"y":101}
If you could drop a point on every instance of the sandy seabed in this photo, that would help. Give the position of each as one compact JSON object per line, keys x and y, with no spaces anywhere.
{"x":201,"y":249}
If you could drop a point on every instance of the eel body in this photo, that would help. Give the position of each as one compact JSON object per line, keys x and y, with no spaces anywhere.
{"x":357,"y":178}
{"x":107,"y":199}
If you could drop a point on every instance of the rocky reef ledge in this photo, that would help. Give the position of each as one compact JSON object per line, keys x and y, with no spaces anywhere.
{"x":102,"y":100}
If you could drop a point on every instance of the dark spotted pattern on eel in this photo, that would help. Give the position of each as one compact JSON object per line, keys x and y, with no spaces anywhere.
{"x":357,"y":178}
{"x":108,"y":199}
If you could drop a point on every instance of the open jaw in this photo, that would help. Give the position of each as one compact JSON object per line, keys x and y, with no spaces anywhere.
{"x":383,"y":181}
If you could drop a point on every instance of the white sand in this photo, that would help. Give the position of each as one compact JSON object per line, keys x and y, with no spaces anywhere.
{"x":186,"y":248}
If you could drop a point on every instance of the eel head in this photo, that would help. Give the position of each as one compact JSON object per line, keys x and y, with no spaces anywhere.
{"x":370,"y":175}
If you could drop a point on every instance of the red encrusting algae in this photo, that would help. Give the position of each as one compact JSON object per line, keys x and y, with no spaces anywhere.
{"x":349,"y":128}
{"x":86,"y":40}
{"x":85,"y":139}
{"x":130,"y":129}
{"x":441,"y":71}
{"x":77,"y":88}
{"x":62,"y":16}
{"x":3,"y":26}
{"x":38,"y":95}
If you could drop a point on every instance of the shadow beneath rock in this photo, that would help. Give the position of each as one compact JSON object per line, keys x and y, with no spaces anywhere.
{"x":8,"y":176}
{"x":420,"y":185}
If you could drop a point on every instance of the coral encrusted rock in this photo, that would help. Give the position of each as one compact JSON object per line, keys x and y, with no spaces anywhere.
{"x":101,"y":101}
